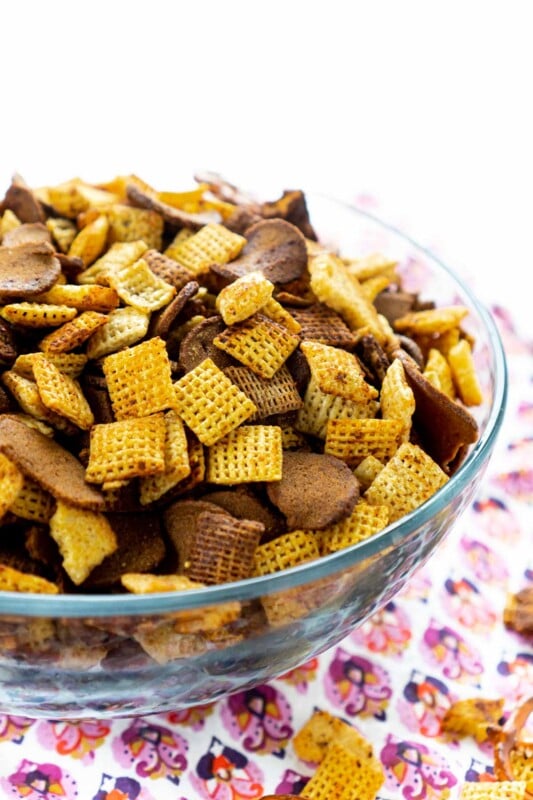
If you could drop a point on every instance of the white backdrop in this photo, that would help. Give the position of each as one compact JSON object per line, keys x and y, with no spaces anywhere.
{"x":424,"y":105}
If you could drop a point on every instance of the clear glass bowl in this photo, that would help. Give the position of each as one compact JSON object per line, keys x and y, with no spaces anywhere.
{"x":79,"y":656}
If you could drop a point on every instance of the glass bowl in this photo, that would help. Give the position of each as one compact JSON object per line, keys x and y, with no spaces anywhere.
{"x":76,"y":656}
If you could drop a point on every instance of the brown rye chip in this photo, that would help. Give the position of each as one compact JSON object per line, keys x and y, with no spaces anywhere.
{"x":274,"y":247}
{"x":48,"y":463}
{"x":28,"y":233}
{"x":162,"y":321}
{"x":316,"y":490}
{"x":198,"y":345}
{"x":20,"y":199}
{"x":27,"y":270}
{"x":445,"y":427}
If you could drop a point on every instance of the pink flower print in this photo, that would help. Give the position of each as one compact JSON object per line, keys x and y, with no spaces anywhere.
{"x":525,"y":413}
{"x":121,"y":788}
{"x":388,"y":631}
{"x":521,"y":452}
{"x":486,"y":565}
{"x":13,"y":729}
{"x":226,"y":774}
{"x":302,"y":676}
{"x":357,"y":685}
{"x":417,"y":587}
{"x":479,"y":772}
{"x":292,"y":782}
{"x":516,"y":677}
{"x":155,"y":751}
{"x":513,"y":344}
{"x":262,"y":716}
{"x":193,"y":717}
{"x":34,"y":781}
{"x":424,"y":703}
{"x":464,"y":603}
{"x":415,"y":274}
{"x":446,"y":649}
{"x":76,"y":739}
{"x":517,"y":483}
{"x":415,"y":772}
{"x":496,"y":520}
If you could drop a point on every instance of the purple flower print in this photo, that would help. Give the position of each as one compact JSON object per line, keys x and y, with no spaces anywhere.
{"x":357,"y":685}
{"x":262,"y":716}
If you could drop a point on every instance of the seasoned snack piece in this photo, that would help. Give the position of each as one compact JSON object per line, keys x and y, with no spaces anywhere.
{"x":70,"y":364}
{"x":409,"y":479}
{"x":430,"y":321}
{"x":128,"y":224}
{"x":285,"y":551}
{"x":464,"y":374}
{"x":124,"y":328}
{"x":47,"y":463}
{"x":510,"y":744}
{"x":84,"y":539}
{"x":241,"y":503}
{"x":494,"y":790}
{"x":61,"y":394}
{"x":352,"y":440}
{"x":8,"y":350}
{"x":273,"y":247}
{"x":244,"y":297}
{"x":139,"y":287}
{"x":177,"y":465}
{"x":300,"y":494}
{"x":311,"y":742}
{"x":63,"y":232}
{"x":27,"y":270}
{"x":319,"y":408}
{"x":28,"y":233}
{"x":140,"y":548}
{"x":259,"y":343}
{"x":223,"y":548}
{"x":130,"y":448}
{"x":162,"y":322}
{"x":119,"y":256}
{"x":337,"y":372}
{"x":371,"y":266}
{"x":278,"y":395}
{"x":518,"y":611}
{"x":74,"y":333}
{"x":139,"y":380}
{"x":197,"y":345}
{"x":336,"y":288}
{"x":445,"y":427}
{"x":167,"y":269}
{"x":12,"y":580}
{"x":181,"y":525}
{"x":146,"y":198}
{"x":27,"y":395}
{"x":474,"y":717}
{"x":90,"y":242}
{"x":251,"y":453}
{"x":344,"y":775}
{"x":11,"y":482}
{"x":437,"y":365}
{"x":32,"y":502}
{"x":209,"y":403}
{"x":274,"y":310}
{"x":212,"y":244}
{"x":84,"y":298}
{"x":367,"y":470}
{"x":37,"y":315}
{"x":23,"y":202}
{"x":364,"y":521}
{"x":319,"y":323}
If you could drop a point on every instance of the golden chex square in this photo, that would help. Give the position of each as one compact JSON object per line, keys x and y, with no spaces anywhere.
{"x":364,"y":521}
{"x":319,"y":408}
{"x":409,"y":479}
{"x":62,"y":394}
{"x":119,"y":255}
{"x":139,"y":380}
{"x":129,"y":224}
{"x":352,"y":440}
{"x":139,"y":287}
{"x":33,"y":502}
{"x":130,"y":448}
{"x":259,"y":343}
{"x":74,"y":333}
{"x":212,"y":244}
{"x":177,"y":465}
{"x":124,"y":327}
{"x":209,"y":403}
{"x":84,"y":539}
{"x":286,"y":551}
{"x":248,"y":454}
{"x":343,"y":774}
{"x":11,"y":482}
{"x":337,"y":372}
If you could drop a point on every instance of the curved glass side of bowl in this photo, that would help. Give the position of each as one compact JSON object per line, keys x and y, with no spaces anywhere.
{"x":93,"y":655}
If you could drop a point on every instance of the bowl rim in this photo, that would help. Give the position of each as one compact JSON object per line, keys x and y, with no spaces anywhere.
{"x":30,"y":604}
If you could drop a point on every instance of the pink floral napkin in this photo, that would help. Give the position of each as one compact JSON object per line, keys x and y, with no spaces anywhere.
{"x":440,"y":640}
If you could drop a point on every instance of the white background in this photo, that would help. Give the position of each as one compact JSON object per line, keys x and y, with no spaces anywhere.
{"x":424,"y":105}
